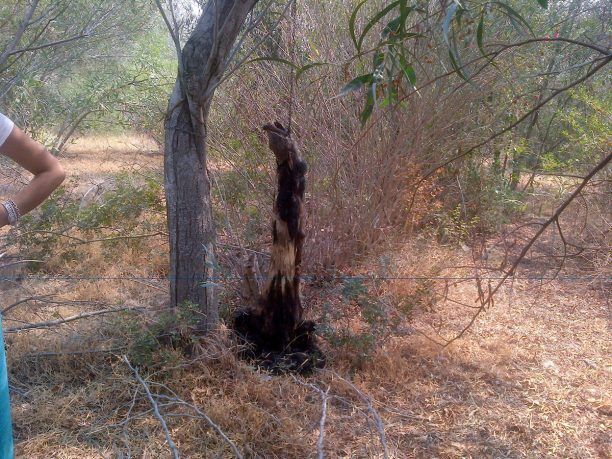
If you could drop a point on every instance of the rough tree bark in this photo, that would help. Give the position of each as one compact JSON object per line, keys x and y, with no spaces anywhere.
{"x":272,"y":320}
{"x":202,"y":63}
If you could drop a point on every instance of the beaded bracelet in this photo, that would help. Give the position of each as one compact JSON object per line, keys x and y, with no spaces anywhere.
{"x":12,"y":212}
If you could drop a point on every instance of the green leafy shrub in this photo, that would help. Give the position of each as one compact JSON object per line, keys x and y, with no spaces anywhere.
{"x":164,"y":340}
{"x":63,"y":218}
{"x":586,"y":133}
{"x":484,"y":200}
{"x":454,"y":228}
{"x":361,"y":324}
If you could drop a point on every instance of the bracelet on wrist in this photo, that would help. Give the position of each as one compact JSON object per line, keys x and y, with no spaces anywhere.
{"x":12,"y":212}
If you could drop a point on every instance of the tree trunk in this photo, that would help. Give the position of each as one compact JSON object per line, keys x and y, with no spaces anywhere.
{"x":190,"y":224}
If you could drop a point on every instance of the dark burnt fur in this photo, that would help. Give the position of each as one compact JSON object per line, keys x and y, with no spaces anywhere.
{"x":273,"y":328}
{"x":291,"y":187}
{"x":302,"y":355}
{"x":283,"y":310}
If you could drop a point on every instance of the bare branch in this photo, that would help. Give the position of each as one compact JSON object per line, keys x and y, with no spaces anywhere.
{"x":204,"y":416}
{"x":17,"y":303}
{"x":80,"y":241}
{"x":377,"y":419}
{"x":46,"y":299}
{"x":17,"y":37}
{"x":599,"y":49}
{"x":48,"y":45}
{"x":37,"y":355}
{"x":173,"y":449}
{"x":324,"y":399}
{"x":20,"y":262}
{"x":54,"y":323}
{"x":122,"y":238}
{"x":173,"y":31}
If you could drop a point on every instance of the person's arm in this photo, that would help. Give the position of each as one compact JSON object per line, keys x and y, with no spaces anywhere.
{"x":48,"y":173}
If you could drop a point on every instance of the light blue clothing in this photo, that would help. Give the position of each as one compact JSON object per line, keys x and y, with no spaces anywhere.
{"x":6,"y":431}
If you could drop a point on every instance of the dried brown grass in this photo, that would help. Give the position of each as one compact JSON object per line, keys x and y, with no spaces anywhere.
{"x":530,"y":379}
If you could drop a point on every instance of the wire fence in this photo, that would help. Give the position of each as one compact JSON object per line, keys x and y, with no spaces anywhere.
{"x":305,"y":278}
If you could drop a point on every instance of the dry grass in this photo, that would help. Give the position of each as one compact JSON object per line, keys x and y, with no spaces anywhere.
{"x":110,"y":154}
{"x":531,"y":379}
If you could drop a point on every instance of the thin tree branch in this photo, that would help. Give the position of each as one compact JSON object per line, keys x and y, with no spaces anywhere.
{"x":19,"y":34}
{"x":324,"y":399}
{"x":173,"y":449}
{"x":17,"y":303}
{"x":20,"y":262}
{"x":377,"y":419}
{"x":174,"y":33}
{"x":45,"y":299}
{"x":553,"y":219}
{"x":599,"y":49}
{"x":36,"y":355}
{"x":48,"y":45}
{"x":490,"y":58}
{"x":211,"y":423}
{"x":54,"y":323}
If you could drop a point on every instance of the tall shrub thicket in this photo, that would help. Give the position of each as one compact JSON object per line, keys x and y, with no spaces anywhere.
{"x":362,"y":178}
{"x":83,"y":66}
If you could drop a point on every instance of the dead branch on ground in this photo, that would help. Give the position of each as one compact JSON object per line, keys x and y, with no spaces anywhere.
{"x":173,"y":449}
{"x":55,"y":323}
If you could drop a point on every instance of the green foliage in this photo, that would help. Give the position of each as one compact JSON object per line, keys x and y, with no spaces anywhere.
{"x":423,"y":296}
{"x":124,"y":204}
{"x":455,"y":228}
{"x":586,"y":132}
{"x":363,"y":322}
{"x":483,"y":202}
{"x":491,"y":201}
{"x":62,"y":214}
{"x":394,"y":61}
{"x":165,"y":339}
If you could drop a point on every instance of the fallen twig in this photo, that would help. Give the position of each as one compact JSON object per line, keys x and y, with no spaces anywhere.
{"x":202,"y":415}
{"x":173,"y":449}
{"x":17,"y":303}
{"x":46,"y":299}
{"x":324,"y":399}
{"x":20,"y":262}
{"x":35,"y":355}
{"x":377,"y":419}
{"x":54,"y":323}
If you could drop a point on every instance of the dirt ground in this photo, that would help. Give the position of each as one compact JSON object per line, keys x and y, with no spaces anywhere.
{"x":530,"y":379}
